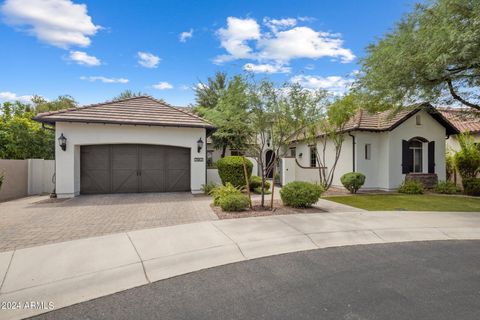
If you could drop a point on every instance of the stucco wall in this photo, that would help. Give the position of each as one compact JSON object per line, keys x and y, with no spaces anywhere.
{"x":77,"y":134}
{"x":15,"y":183}
{"x":376,"y":169}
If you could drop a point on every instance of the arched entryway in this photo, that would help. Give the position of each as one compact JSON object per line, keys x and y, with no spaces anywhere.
{"x":269,"y":158}
{"x":416,"y":152}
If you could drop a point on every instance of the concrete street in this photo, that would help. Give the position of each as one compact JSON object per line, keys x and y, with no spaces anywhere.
{"x":75,"y":271}
{"x":416,"y":280}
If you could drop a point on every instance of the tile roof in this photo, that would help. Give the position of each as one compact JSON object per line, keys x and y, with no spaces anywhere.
{"x":464,"y":120}
{"x":141,"y":110}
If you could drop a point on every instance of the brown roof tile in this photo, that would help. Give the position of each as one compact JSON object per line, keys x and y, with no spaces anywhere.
{"x":464,"y":120}
{"x":142,"y":110}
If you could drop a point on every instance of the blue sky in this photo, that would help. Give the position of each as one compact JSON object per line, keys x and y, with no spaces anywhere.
{"x":93,"y":50}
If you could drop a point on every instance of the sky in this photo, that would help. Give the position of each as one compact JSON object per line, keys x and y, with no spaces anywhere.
{"x":93,"y":50}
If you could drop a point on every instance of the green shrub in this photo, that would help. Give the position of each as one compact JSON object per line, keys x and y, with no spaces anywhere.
{"x":234,"y":202}
{"x":2,"y":177}
{"x":259,"y":191}
{"x":222,"y":191}
{"x":353,"y":181}
{"x":411,"y":187}
{"x":467,"y":160}
{"x":207,"y":188}
{"x":446,"y":187}
{"x":299,"y":194}
{"x":256,"y":182}
{"x":230,"y":170}
{"x":471,"y":186}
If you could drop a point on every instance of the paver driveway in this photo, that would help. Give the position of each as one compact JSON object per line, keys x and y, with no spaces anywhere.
{"x":37,"y":220}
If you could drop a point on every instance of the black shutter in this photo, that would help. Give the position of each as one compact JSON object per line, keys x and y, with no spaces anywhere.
{"x":431,"y":157}
{"x":407,"y":157}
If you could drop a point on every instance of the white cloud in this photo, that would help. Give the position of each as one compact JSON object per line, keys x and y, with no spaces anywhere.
{"x":266,"y":68}
{"x":184,"y":36}
{"x":278,"y":24}
{"x":334,"y":84}
{"x":148,"y":60}
{"x":243,"y":39}
{"x":234,"y":39}
{"x":83,"y":58}
{"x":162,"y":86}
{"x":10,"y":96}
{"x":104,"y":79}
{"x":61,"y":23}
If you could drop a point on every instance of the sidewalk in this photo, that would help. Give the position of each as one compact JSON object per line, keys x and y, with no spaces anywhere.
{"x":75,"y":271}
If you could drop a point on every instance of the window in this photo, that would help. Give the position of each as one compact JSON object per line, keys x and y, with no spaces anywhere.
{"x":417,"y":153}
{"x":209,"y":158}
{"x":368,"y":151}
{"x":293,"y":152}
{"x":418,"y":120}
{"x":313,"y":157}
{"x":236,"y":153}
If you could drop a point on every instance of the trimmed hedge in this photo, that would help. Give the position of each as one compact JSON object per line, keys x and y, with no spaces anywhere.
{"x":234,"y":202}
{"x":471,"y":186}
{"x":256,"y":182}
{"x":230,"y":170}
{"x":411,"y":187}
{"x":300,"y":194}
{"x":353,"y":181}
{"x":221,"y":192}
{"x":445,"y":187}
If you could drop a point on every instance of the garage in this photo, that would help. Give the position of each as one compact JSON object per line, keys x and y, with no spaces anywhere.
{"x":127,"y":168}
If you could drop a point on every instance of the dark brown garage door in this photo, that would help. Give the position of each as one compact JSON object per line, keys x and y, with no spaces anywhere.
{"x":122,"y":168}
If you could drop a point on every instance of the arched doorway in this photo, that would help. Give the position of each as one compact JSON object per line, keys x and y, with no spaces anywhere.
{"x":269,"y":158}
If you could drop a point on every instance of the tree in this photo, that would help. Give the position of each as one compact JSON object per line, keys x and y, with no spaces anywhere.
{"x":127,"y":94}
{"x":324,"y":125}
{"x":62,"y":102}
{"x":21,"y":137}
{"x":431,"y":55}
{"x":227,"y":110}
{"x":208,"y":94}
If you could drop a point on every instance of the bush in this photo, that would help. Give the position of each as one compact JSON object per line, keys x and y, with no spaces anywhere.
{"x":471,"y":186}
{"x":299,"y":194}
{"x":222,"y":191}
{"x":256,"y":182}
{"x":259,"y":191}
{"x":230,"y":170}
{"x":353,"y":181}
{"x":446,"y":187}
{"x":467,"y":160}
{"x":2,"y":177}
{"x":411,"y":187}
{"x":207,"y":188}
{"x":234,"y":202}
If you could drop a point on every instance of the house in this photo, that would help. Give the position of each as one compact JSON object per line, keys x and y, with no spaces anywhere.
{"x":384,"y":146}
{"x":133,"y":145}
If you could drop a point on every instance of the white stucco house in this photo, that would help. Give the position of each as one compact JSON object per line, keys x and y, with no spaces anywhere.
{"x":385,"y":147}
{"x":132,"y":145}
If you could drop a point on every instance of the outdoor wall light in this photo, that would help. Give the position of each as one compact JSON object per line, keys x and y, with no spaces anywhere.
{"x":62,"y":142}
{"x":199,"y":145}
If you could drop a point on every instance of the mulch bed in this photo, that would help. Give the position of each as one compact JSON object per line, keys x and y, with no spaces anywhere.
{"x":259,"y":211}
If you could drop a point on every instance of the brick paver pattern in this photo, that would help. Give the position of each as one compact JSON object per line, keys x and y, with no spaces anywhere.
{"x":37,"y":220}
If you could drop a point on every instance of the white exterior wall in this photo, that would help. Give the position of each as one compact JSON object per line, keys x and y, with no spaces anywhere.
{"x":376,"y":170}
{"x":431,"y":130}
{"x":78,"y":134}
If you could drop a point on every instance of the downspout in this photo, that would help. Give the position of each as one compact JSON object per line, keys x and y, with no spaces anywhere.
{"x":54,"y":177}
{"x":353,"y":150}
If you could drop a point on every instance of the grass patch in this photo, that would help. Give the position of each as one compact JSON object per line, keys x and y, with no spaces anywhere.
{"x":410,"y":202}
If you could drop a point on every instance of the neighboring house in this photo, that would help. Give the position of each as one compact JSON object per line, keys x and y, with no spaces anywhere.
{"x":133,"y":145}
{"x":385,"y":147}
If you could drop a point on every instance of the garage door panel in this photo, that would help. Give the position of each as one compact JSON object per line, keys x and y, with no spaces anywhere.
{"x":126,"y":168}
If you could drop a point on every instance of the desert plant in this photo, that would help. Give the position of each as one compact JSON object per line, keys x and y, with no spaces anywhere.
{"x":353,"y":181}
{"x":222,"y":191}
{"x":467,"y":159}
{"x":471,"y":186}
{"x":2,"y":178}
{"x":208,"y":187}
{"x":411,"y":187}
{"x":234,"y":202}
{"x":300,"y":194}
{"x":446,"y":187}
{"x":230,"y":170}
{"x":256,"y":182}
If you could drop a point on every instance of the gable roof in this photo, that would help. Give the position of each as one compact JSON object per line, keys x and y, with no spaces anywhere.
{"x":389,"y":120}
{"x":464,"y":120}
{"x":143,"y":110}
